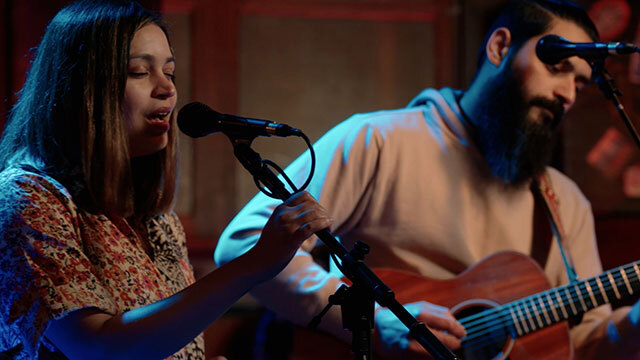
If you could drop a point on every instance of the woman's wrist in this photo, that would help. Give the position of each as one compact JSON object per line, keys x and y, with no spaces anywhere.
{"x":254,"y":268}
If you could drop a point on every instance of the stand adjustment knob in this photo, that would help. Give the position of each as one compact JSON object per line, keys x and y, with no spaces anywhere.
{"x":359,"y":251}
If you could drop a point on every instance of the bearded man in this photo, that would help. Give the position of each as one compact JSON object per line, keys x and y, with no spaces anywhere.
{"x":436,"y":187}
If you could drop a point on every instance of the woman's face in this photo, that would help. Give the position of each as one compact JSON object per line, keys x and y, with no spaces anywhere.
{"x":150,"y":94}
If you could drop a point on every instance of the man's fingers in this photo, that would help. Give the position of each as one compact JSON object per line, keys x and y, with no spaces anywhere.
{"x":443,"y":322}
{"x":448,"y":340}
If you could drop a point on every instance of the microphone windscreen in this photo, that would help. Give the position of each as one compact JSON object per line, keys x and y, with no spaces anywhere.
{"x":547,"y":52}
{"x":197,"y":119}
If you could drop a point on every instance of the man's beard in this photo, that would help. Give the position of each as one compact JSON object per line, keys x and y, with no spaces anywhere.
{"x":517,"y":149}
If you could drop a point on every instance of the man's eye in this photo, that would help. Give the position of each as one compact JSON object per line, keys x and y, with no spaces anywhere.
{"x":556,"y":68}
{"x":137,"y":74}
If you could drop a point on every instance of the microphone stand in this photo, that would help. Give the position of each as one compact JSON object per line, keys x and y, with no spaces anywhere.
{"x":358,"y":300}
{"x":606,"y":83}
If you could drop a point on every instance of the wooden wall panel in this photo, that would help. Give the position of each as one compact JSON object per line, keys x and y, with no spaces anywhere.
{"x":22,"y":24}
{"x":214,"y":82}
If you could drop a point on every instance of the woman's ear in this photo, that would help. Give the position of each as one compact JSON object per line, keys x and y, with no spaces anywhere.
{"x":498,"y":45}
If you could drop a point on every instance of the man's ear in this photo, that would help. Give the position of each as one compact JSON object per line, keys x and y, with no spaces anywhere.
{"x":498,"y":45}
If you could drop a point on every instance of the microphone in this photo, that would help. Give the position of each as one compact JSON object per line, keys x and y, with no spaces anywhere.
{"x":197,"y":119}
{"x":553,"y":48}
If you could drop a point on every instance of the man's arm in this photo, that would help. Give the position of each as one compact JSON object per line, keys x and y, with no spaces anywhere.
{"x":350,"y":159}
{"x":615,"y":337}
{"x":347,"y":160}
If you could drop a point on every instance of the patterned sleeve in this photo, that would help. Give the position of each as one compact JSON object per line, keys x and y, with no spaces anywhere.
{"x":44,"y":273}
{"x":181,"y":240}
{"x":168,"y":238}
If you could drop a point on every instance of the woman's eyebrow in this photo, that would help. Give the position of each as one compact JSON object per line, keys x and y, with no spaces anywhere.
{"x":150,"y":58}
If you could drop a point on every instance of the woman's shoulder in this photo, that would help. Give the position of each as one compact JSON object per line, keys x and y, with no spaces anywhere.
{"x":28,"y":176}
{"x":25,"y":187}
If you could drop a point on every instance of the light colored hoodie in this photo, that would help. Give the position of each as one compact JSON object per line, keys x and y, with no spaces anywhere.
{"x":412,"y":185}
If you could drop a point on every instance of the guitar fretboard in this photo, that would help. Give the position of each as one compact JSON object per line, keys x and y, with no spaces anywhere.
{"x":537,"y":311}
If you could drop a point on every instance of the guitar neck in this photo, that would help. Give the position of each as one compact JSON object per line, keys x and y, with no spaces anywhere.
{"x":543,"y":309}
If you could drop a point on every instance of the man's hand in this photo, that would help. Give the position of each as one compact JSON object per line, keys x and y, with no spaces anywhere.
{"x":391,"y":339}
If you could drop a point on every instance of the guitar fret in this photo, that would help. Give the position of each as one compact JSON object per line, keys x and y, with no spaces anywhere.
{"x":515,"y":321}
{"x":626,"y":281}
{"x":602,"y":290}
{"x":597,"y":292}
{"x":570,"y":301}
{"x":614,"y":286}
{"x":634,"y":281}
{"x":594,"y":303}
{"x":545,"y":313}
{"x":553,"y":308}
{"x":528,"y":318}
{"x":537,"y":311}
{"x":562,"y":305}
{"x":580,"y":297}
{"x":524,"y":320}
{"x":536,"y":314}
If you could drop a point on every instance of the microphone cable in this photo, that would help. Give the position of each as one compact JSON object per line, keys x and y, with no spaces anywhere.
{"x":279,"y":171}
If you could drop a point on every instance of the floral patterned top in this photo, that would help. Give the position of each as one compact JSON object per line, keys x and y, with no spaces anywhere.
{"x":56,"y":258}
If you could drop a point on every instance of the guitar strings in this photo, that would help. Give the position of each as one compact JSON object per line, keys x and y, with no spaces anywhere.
{"x":570,"y":288}
{"x":556,"y":305}
{"x":501,"y":318}
{"x":484,"y":342}
{"x":528,"y":304}
{"x":491,"y":327}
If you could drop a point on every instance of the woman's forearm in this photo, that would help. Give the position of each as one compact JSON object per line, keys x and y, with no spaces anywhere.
{"x":160,"y":329}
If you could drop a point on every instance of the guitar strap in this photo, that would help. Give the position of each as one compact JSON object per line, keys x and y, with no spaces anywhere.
{"x":542,"y":235}
{"x":546,"y":208}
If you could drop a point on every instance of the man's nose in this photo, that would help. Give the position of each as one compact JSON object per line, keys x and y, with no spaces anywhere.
{"x":565,"y":92}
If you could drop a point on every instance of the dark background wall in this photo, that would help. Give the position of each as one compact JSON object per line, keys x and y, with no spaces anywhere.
{"x":312,"y":63}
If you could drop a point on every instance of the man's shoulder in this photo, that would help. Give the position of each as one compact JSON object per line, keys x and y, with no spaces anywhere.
{"x":432,"y":118}
{"x":385,"y":117}
{"x":402,"y":122}
{"x":427,"y":98}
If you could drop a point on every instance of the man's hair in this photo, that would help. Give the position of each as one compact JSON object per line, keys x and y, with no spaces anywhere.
{"x":528,"y":18}
{"x":68,"y":121}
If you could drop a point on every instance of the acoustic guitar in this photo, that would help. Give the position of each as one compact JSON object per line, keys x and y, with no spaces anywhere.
{"x":493,"y":301}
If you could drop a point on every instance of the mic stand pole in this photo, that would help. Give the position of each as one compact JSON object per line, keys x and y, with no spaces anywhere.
{"x":606,"y":83}
{"x":366,"y":283}
{"x":357,"y":307}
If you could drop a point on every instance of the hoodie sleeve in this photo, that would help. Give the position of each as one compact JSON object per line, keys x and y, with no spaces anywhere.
{"x":347,"y":162}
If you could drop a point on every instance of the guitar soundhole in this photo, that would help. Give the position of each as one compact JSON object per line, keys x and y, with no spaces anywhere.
{"x":483,"y":344}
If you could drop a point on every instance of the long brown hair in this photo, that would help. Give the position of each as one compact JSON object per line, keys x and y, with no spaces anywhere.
{"x":68,"y":121}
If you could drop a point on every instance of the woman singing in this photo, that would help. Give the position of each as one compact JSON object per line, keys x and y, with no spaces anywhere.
{"x":93,"y":262}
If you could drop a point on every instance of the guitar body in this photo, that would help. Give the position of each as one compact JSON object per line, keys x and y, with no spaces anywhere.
{"x":498,"y":279}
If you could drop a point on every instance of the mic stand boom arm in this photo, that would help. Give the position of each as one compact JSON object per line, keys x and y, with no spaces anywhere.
{"x":357,"y":271}
{"x":604,"y":80}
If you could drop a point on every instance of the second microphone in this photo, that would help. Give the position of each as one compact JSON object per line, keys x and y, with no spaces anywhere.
{"x":197,"y":119}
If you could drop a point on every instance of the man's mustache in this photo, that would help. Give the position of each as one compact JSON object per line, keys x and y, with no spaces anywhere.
{"x":554,"y":106}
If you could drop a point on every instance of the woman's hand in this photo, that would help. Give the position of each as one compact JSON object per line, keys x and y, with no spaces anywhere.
{"x":291,"y":223}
